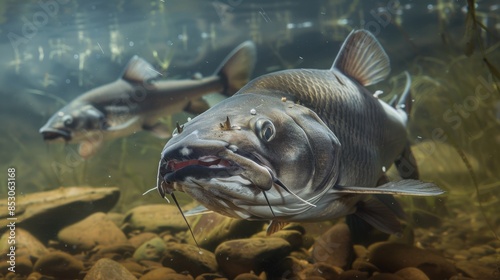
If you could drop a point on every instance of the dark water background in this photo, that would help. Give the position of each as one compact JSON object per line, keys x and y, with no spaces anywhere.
{"x":52,"y":51}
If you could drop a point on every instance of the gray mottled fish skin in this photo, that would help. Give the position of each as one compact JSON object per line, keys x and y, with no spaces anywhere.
{"x":137,"y":100}
{"x":298,"y":145}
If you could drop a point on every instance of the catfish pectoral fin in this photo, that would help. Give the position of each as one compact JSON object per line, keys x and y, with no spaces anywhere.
{"x":403,"y":187}
{"x":198,"y":210}
{"x":160,"y":130}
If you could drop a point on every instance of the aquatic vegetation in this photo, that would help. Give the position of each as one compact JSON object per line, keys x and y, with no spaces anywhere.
{"x":458,"y":97}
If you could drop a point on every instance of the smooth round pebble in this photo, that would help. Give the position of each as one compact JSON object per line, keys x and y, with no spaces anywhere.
{"x":255,"y":254}
{"x":412,"y":273}
{"x":23,"y":266}
{"x":59,"y":264}
{"x":334,"y":246}
{"x":115,"y":252}
{"x":293,"y":237}
{"x":26,"y":244}
{"x":106,"y":269}
{"x":212,"y":229}
{"x":385,"y":276}
{"x":139,"y":239}
{"x":391,"y":257}
{"x":158,"y":273}
{"x":210,"y":276}
{"x":155,"y":218}
{"x":151,"y":250}
{"x":247,"y":276}
{"x":325,"y":270}
{"x":189,"y":258}
{"x":94,"y":230}
{"x":353,"y":274}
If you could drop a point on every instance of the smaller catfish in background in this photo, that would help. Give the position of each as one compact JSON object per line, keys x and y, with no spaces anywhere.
{"x":137,"y":100}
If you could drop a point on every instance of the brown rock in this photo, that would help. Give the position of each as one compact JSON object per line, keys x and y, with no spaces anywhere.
{"x":293,"y":237}
{"x":133,"y":267}
{"x":115,"y":252}
{"x":138,"y":240}
{"x":116,"y":218}
{"x":476,"y":270}
{"x":94,"y":230}
{"x":324,"y":270}
{"x":189,"y":258}
{"x":151,"y":250}
{"x":26,"y":244}
{"x":212,"y":229}
{"x":362,"y":265}
{"x":150,"y":265}
{"x":210,"y":276}
{"x":244,"y":255}
{"x":106,"y":269}
{"x":59,"y":264}
{"x":23,"y":265}
{"x":289,"y":268}
{"x":391,"y":257}
{"x":385,"y":276}
{"x":295,"y":226}
{"x":247,"y":276}
{"x":360,"y":251}
{"x":155,"y":218}
{"x":158,"y":274}
{"x":353,"y":274}
{"x":461,"y":277}
{"x":43,"y":214}
{"x":412,"y":273}
{"x":36,"y":276}
{"x":334,"y":247}
{"x":177,"y":276}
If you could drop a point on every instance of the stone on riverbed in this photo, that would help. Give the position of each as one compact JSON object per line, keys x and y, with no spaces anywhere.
{"x":106,"y":269}
{"x":211,"y":229}
{"x":256,"y":254}
{"x":391,"y":257}
{"x":59,"y":264}
{"x":334,"y":246}
{"x":189,"y":258}
{"x":155,"y":218}
{"x":26,"y":244}
{"x":94,"y":230}
{"x":151,"y":250}
{"x":43,"y":214}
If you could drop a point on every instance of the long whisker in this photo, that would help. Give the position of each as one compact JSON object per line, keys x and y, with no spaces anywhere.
{"x":265,"y":196}
{"x":150,"y":190}
{"x":279,"y":183}
{"x":184,"y":217}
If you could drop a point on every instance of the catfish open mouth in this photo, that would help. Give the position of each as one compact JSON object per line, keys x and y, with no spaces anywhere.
{"x":204,"y":167}
{"x":53,"y":134}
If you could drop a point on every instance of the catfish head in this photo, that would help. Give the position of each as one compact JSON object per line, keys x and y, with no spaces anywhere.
{"x":252,"y":156}
{"x":77,"y":123}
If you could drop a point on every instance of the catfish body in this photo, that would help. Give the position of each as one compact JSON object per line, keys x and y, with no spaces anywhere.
{"x":138,"y":99}
{"x":298,"y":145}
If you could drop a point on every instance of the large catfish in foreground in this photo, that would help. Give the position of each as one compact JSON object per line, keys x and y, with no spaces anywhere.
{"x":298,"y":145}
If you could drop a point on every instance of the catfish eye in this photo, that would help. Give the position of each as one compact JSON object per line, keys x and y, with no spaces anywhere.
{"x":265,"y":130}
{"x":68,"y":121}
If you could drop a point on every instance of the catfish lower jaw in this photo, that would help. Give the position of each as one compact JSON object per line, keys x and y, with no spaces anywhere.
{"x":53,"y":134}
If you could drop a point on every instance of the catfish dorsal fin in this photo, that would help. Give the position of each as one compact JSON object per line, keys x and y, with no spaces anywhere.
{"x":138,"y":71}
{"x":362,"y":58}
